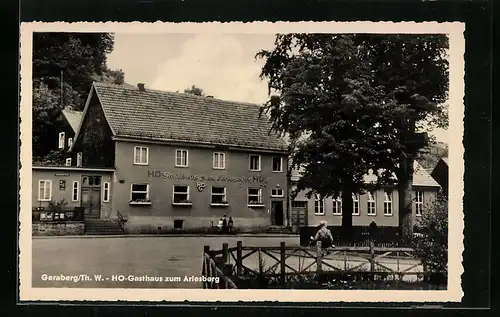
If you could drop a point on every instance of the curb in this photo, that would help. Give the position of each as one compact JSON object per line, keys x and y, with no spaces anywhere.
{"x":186,"y":235}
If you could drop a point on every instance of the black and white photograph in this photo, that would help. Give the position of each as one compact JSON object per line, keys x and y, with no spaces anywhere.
{"x":257,"y":161}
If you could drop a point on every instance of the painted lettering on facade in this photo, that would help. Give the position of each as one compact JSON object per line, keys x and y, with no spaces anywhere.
{"x":207,"y":178}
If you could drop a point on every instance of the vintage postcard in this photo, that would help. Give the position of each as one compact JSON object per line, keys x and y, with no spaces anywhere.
{"x":292,"y":162}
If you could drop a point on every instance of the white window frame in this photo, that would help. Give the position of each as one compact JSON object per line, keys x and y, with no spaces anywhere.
{"x":355,"y":205}
{"x":75,"y":189}
{"x":281,"y":164}
{"x":337,"y":206}
{"x":275,"y":192}
{"x":259,"y":196}
{"x":62,"y":140}
{"x":419,"y":205}
{"x":79,"y":159}
{"x":250,"y":162}
{"x":174,"y":192}
{"x":68,"y":161}
{"x":319,"y":204}
{"x":181,"y":151}
{"x":224,"y":195}
{"x":217,"y":162}
{"x":142,"y":160}
{"x":388,"y":198}
{"x":45,"y":187}
{"x":70,"y":142}
{"x":371,"y":199}
{"x":139,"y":191}
{"x":106,"y":192}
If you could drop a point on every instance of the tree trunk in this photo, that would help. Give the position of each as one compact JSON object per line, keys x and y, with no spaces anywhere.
{"x":405,"y":193}
{"x":347,"y":208}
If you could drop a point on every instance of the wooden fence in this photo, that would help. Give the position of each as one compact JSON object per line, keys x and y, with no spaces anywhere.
{"x":288,"y":261}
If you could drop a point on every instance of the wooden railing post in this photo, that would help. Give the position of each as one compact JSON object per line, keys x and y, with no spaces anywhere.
{"x":426,"y":275}
{"x":282,"y":263}
{"x":225,"y":252}
{"x":319,"y":258}
{"x":239,"y":258}
{"x":206,"y":265}
{"x":261,"y":268}
{"x":372,"y":258}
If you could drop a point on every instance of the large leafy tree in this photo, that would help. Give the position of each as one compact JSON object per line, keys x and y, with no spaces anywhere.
{"x":330,"y":110}
{"x":64,"y":66}
{"x":361,"y":100}
{"x":413,"y":71}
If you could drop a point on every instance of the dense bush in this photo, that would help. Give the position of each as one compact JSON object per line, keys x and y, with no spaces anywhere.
{"x":431,"y":246}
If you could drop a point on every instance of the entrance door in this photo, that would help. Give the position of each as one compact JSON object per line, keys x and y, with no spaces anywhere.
{"x":299,"y":215}
{"x":276,"y":213}
{"x":91,"y":196}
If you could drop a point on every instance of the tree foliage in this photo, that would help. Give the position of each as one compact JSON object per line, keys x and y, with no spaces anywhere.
{"x":193,"y":90}
{"x":64,"y":67}
{"x":354,"y":103}
{"x":431,"y":245}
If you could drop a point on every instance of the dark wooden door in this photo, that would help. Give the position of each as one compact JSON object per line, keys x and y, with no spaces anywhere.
{"x":91,"y":196}
{"x":299,"y":214}
{"x":277,"y":213}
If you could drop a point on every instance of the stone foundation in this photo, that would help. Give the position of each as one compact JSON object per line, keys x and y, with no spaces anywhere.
{"x":154,"y":225}
{"x":58,"y":228}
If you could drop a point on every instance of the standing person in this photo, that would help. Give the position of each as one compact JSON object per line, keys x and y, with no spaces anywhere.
{"x":224,"y":224}
{"x":373,"y":230}
{"x":324,"y":235}
{"x":230,"y":225}
{"x":220,"y":224}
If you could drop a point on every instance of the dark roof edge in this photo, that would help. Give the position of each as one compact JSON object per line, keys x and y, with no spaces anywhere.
{"x":198,"y":144}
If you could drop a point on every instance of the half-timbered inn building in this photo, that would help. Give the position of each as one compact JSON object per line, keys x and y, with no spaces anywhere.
{"x":167,"y":160}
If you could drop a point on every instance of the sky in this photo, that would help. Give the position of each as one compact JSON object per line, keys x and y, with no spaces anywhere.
{"x":223,"y":65}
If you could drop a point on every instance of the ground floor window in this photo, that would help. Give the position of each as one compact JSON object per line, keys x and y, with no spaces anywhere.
{"x":371,"y":204}
{"x":254,"y":196}
{"x":319,"y":206}
{"x":105,"y":192}
{"x":139,"y":193}
{"x":181,"y":194}
{"x":277,"y":193}
{"x":419,"y":203}
{"x":337,"y":206}
{"x":44,"y":190}
{"x":388,"y":203}
{"x":219,"y":195}
{"x":355,"y":204}
{"x":76,"y":191}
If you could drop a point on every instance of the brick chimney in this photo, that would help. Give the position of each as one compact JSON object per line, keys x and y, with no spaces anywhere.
{"x":141,"y":87}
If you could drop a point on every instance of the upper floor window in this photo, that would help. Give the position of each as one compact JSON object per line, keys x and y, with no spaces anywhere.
{"x":68,"y":162}
{"x":70,"y":142}
{"x":44,"y":190}
{"x":181,"y":158}
{"x":219,"y":161}
{"x":79,"y":159}
{"x":387,"y":203}
{"x":277,"y":164}
{"x":61,"y":140}
{"x":319,"y":206}
{"x":419,"y":203}
{"x":371,"y":204}
{"x":355,"y":204}
{"x":337,"y":206}
{"x":255,"y":162}
{"x":141,"y":155}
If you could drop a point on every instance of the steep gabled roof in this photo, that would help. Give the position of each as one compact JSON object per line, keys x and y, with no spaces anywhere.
{"x":73,"y":117}
{"x":166,"y":116}
{"x":420,"y":176}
